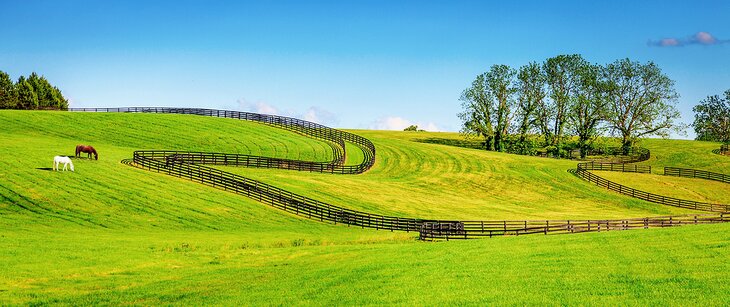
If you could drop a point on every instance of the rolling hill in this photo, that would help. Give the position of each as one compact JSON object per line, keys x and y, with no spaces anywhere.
{"x":110,"y":233}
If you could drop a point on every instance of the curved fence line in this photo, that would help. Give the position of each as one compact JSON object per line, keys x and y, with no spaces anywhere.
{"x":583,"y":171}
{"x":694,"y":173}
{"x":336,"y":138}
{"x":191,"y":165}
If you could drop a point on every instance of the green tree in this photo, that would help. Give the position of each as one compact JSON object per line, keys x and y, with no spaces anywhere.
{"x":411,"y":128}
{"x":531,"y":96}
{"x":48,"y":95}
{"x":712,"y":119}
{"x":589,"y":108}
{"x":500,"y":81}
{"x":477,"y":106}
{"x":57,"y":97}
{"x":563,"y":80}
{"x":8,"y":93}
{"x":642,"y":101}
{"x":27,"y":97}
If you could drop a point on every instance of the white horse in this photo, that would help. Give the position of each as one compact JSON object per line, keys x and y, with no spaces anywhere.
{"x":61,"y":159}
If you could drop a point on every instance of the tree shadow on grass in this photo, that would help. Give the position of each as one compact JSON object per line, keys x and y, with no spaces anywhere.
{"x":474,"y":144}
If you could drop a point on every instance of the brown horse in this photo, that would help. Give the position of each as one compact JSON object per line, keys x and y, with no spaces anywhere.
{"x":86,"y":149}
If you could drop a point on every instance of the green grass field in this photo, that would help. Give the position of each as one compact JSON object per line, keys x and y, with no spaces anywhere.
{"x":113,"y":234}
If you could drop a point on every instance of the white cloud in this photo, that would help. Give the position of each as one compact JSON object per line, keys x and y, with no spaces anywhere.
{"x":391,"y":123}
{"x":705,"y":38}
{"x":429,"y":127}
{"x":699,"y":38}
{"x":399,"y":123}
{"x":312,"y":114}
{"x":320,"y":116}
{"x":257,"y":107}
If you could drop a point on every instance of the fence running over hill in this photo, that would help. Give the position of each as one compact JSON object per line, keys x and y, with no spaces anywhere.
{"x":191,"y":165}
{"x":584,"y":171}
{"x":693,"y":173}
{"x":335,"y":138}
{"x":475,"y":229}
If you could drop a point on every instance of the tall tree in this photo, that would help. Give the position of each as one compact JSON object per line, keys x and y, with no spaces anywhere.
{"x":532,"y":92}
{"x":712,"y":118}
{"x":500,"y":82}
{"x":476,"y":116}
{"x":563,"y":79}
{"x":27,"y":98}
{"x":590,"y":106}
{"x":642,"y":101}
{"x":8,"y":94}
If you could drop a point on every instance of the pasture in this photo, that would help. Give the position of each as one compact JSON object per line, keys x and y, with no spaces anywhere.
{"x":111,"y":234}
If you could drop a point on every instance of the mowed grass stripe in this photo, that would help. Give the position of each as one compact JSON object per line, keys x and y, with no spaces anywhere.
{"x":442,"y":182}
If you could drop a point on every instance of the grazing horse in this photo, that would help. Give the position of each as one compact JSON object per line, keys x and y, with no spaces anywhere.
{"x":62,"y":159}
{"x":86,"y":149}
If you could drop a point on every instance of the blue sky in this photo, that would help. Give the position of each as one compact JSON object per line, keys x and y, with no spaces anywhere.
{"x":370,"y":64}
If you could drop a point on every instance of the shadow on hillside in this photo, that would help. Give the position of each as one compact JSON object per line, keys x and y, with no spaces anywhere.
{"x":44,"y":168}
{"x":474,"y":144}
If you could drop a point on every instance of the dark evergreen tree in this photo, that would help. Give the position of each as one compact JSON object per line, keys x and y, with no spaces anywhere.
{"x":8,"y":93}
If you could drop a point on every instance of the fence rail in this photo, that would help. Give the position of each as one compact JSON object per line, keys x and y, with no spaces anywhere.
{"x":615,"y":167}
{"x":584,"y":171}
{"x":335,"y":138}
{"x":476,"y":229}
{"x":693,"y":173}
{"x":191,"y":165}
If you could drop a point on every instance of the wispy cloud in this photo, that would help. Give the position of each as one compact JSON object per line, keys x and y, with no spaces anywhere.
{"x":312,"y":114}
{"x":699,"y":38}
{"x":399,"y":123}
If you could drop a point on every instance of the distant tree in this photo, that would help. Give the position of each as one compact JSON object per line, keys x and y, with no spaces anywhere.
{"x":8,"y":94}
{"x":477,"y":106}
{"x":712,"y":118}
{"x":48,"y":95}
{"x":641,"y":99}
{"x":589,"y":107}
{"x":563,"y":79}
{"x":27,"y":98}
{"x":58,"y":100}
{"x":531,"y":96}
{"x":34,"y":92}
{"x":411,"y":128}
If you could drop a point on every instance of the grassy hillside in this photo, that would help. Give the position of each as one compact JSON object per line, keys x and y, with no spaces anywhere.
{"x":685,"y":188}
{"x":113,"y":234}
{"x":438,"y":181}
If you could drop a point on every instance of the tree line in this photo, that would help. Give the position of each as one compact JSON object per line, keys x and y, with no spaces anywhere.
{"x":31,"y":93}
{"x":566,"y":102}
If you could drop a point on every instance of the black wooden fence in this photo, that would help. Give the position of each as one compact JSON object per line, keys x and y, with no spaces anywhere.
{"x":191,"y":165}
{"x":336,"y":138}
{"x":476,"y":229}
{"x":584,"y":171}
{"x":693,"y":173}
